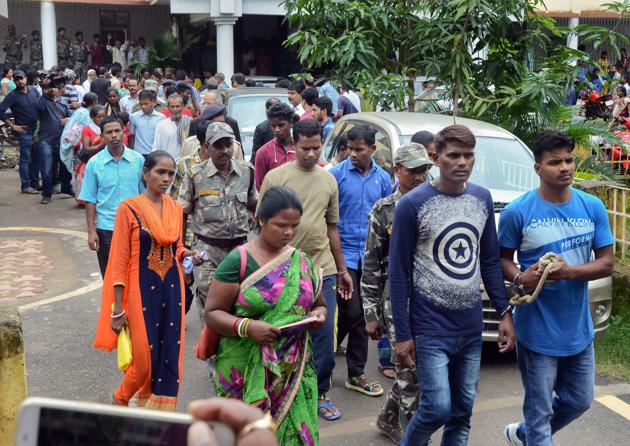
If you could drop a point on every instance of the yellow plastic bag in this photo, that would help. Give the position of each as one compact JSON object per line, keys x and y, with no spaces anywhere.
{"x":124,"y":349}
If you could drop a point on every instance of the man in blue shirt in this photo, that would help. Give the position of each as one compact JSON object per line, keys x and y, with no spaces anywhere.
{"x":111,"y":176}
{"x":53,"y":115}
{"x":23,"y":104}
{"x":443,"y":244}
{"x":361,"y":184}
{"x":330,"y":92}
{"x":143,"y":122}
{"x":555,"y":332}
{"x":322,"y":112}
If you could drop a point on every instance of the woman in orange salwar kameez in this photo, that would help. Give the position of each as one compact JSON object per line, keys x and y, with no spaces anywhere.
{"x":145,"y":285}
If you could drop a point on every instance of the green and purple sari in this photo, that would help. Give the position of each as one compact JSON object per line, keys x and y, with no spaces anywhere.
{"x":278,"y":378}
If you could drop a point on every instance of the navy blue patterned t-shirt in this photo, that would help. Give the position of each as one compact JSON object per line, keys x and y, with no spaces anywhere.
{"x":441,"y":247}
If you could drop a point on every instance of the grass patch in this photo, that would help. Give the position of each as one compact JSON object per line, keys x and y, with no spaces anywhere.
{"x":612,"y":353}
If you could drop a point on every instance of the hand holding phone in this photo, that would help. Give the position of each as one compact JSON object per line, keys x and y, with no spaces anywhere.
{"x":50,"y":422}
{"x":233,"y":413}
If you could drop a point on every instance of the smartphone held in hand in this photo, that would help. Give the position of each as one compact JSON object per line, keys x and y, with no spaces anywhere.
{"x":50,"y":422}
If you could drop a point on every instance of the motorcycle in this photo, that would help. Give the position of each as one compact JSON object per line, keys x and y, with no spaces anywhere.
{"x":7,"y":137}
{"x":596,"y":106}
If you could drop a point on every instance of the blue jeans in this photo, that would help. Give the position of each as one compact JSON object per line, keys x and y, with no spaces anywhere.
{"x":324,"y":338}
{"x":49,"y":161}
{"x":28,"y":162}
{"x":448,"y":374}
{"x":558,"y":389}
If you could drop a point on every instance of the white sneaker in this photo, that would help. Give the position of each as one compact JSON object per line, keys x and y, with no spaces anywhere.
{"x":509,"y":432}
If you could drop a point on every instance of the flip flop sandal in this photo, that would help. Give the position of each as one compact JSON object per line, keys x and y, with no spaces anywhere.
{"x":327,"y":405}
{"x":387,"y":371}
{"x":369,"y":389}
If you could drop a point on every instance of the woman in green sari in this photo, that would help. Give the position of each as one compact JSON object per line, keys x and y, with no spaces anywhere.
{"x":256,"y":291}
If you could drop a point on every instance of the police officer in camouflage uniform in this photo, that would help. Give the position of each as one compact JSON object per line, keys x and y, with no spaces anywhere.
{"x":79,"y":52}
{"x":63,"y":47}
{"x":13,"y":47}
{"x":411,"y":166}
{"x":220,"y":197}
{"x":37,"y":55}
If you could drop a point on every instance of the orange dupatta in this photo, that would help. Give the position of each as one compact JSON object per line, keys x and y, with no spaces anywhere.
{"x":165,"y":229}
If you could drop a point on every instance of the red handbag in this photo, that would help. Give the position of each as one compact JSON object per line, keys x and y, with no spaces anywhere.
{"x":208,"y":342}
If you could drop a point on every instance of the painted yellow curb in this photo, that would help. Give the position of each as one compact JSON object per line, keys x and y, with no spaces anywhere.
{"x":615,"y":404}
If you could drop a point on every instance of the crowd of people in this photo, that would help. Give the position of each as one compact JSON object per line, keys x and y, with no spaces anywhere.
{"x":77,"y":55}
{"x":341,"y":252}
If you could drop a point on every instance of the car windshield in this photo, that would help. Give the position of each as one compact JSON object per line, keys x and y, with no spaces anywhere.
{"x":499,"y":164}
{"x":249,"y":111}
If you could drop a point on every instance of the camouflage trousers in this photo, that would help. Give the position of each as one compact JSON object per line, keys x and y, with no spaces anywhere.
{"x":80,"y":68}
{"x":12,"y":61}
{"x":403,"y":397}
{"x":203,"y":273}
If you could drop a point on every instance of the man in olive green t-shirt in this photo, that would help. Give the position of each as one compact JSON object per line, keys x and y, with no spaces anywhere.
{"x":317,"y":236}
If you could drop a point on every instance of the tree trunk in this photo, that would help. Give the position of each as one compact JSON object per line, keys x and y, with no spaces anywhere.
{"x":458,"y":82}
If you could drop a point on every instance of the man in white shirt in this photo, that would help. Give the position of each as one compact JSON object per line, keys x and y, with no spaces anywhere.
{"x":127,"y":103}
{"x":295,"y":96}
{"x":143,"y":51}
{"x":171,"y":133}
{"x":354,"y":98}
{"x":119,"y":50}
{"x":91,"y":75}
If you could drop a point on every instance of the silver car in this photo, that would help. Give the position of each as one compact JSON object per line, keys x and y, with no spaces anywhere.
{"x":503,"y":164}
{"x":247,"y":106}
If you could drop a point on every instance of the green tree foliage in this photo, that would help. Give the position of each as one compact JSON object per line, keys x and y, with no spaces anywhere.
{"x":480,"y":50}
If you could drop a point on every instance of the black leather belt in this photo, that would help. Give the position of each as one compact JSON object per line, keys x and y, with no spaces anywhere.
{"x":223,"y":243}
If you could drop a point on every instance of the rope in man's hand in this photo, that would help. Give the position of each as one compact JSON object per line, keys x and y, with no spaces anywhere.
{"x":545,"y":265}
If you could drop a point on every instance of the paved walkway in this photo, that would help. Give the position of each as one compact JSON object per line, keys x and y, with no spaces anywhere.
{"x":60,"y":297}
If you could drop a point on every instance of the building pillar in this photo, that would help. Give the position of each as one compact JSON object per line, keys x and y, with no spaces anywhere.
{"x":225,"y":45}
{"x":49,"y":34}
{"x":572,"y":38}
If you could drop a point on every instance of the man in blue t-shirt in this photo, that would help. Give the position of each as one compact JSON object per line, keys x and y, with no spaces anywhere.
{"x":443,"y":243}
{"x":555,"y":332}
{"x":362,"y":182}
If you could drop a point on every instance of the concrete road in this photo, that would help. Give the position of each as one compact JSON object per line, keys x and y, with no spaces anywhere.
{"x":61,"y":363}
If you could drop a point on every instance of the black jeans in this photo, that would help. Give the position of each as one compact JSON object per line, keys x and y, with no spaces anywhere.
{"x":104,"y":243}
{"x":351,"y":323}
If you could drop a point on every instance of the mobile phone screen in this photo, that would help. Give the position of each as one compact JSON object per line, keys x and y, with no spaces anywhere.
{"x":72,"y":428}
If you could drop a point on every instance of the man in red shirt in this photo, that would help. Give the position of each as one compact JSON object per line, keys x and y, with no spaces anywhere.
{"x":97,"y":50}
{"x":280,"y":149}
{"x":308,"y":96}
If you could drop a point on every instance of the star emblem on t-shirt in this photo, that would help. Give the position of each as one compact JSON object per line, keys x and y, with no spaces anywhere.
{"x":460,"y":250}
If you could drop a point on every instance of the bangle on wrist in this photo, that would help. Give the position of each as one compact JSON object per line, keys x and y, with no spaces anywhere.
{"x":116,"y":316}
{"x":246,"y":327}
{"x":235,"y":325}
{"x":243,"y":325}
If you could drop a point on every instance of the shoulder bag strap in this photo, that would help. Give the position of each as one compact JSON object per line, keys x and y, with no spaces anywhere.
{"x":243,"y":253}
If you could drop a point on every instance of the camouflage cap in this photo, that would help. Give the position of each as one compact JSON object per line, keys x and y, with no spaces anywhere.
{"x":412,"y":155}
{"x":218,"y":130}
{"x":151,"y":85}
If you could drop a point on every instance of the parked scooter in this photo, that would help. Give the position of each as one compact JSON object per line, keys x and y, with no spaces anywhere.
{"x":596,"y":105}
